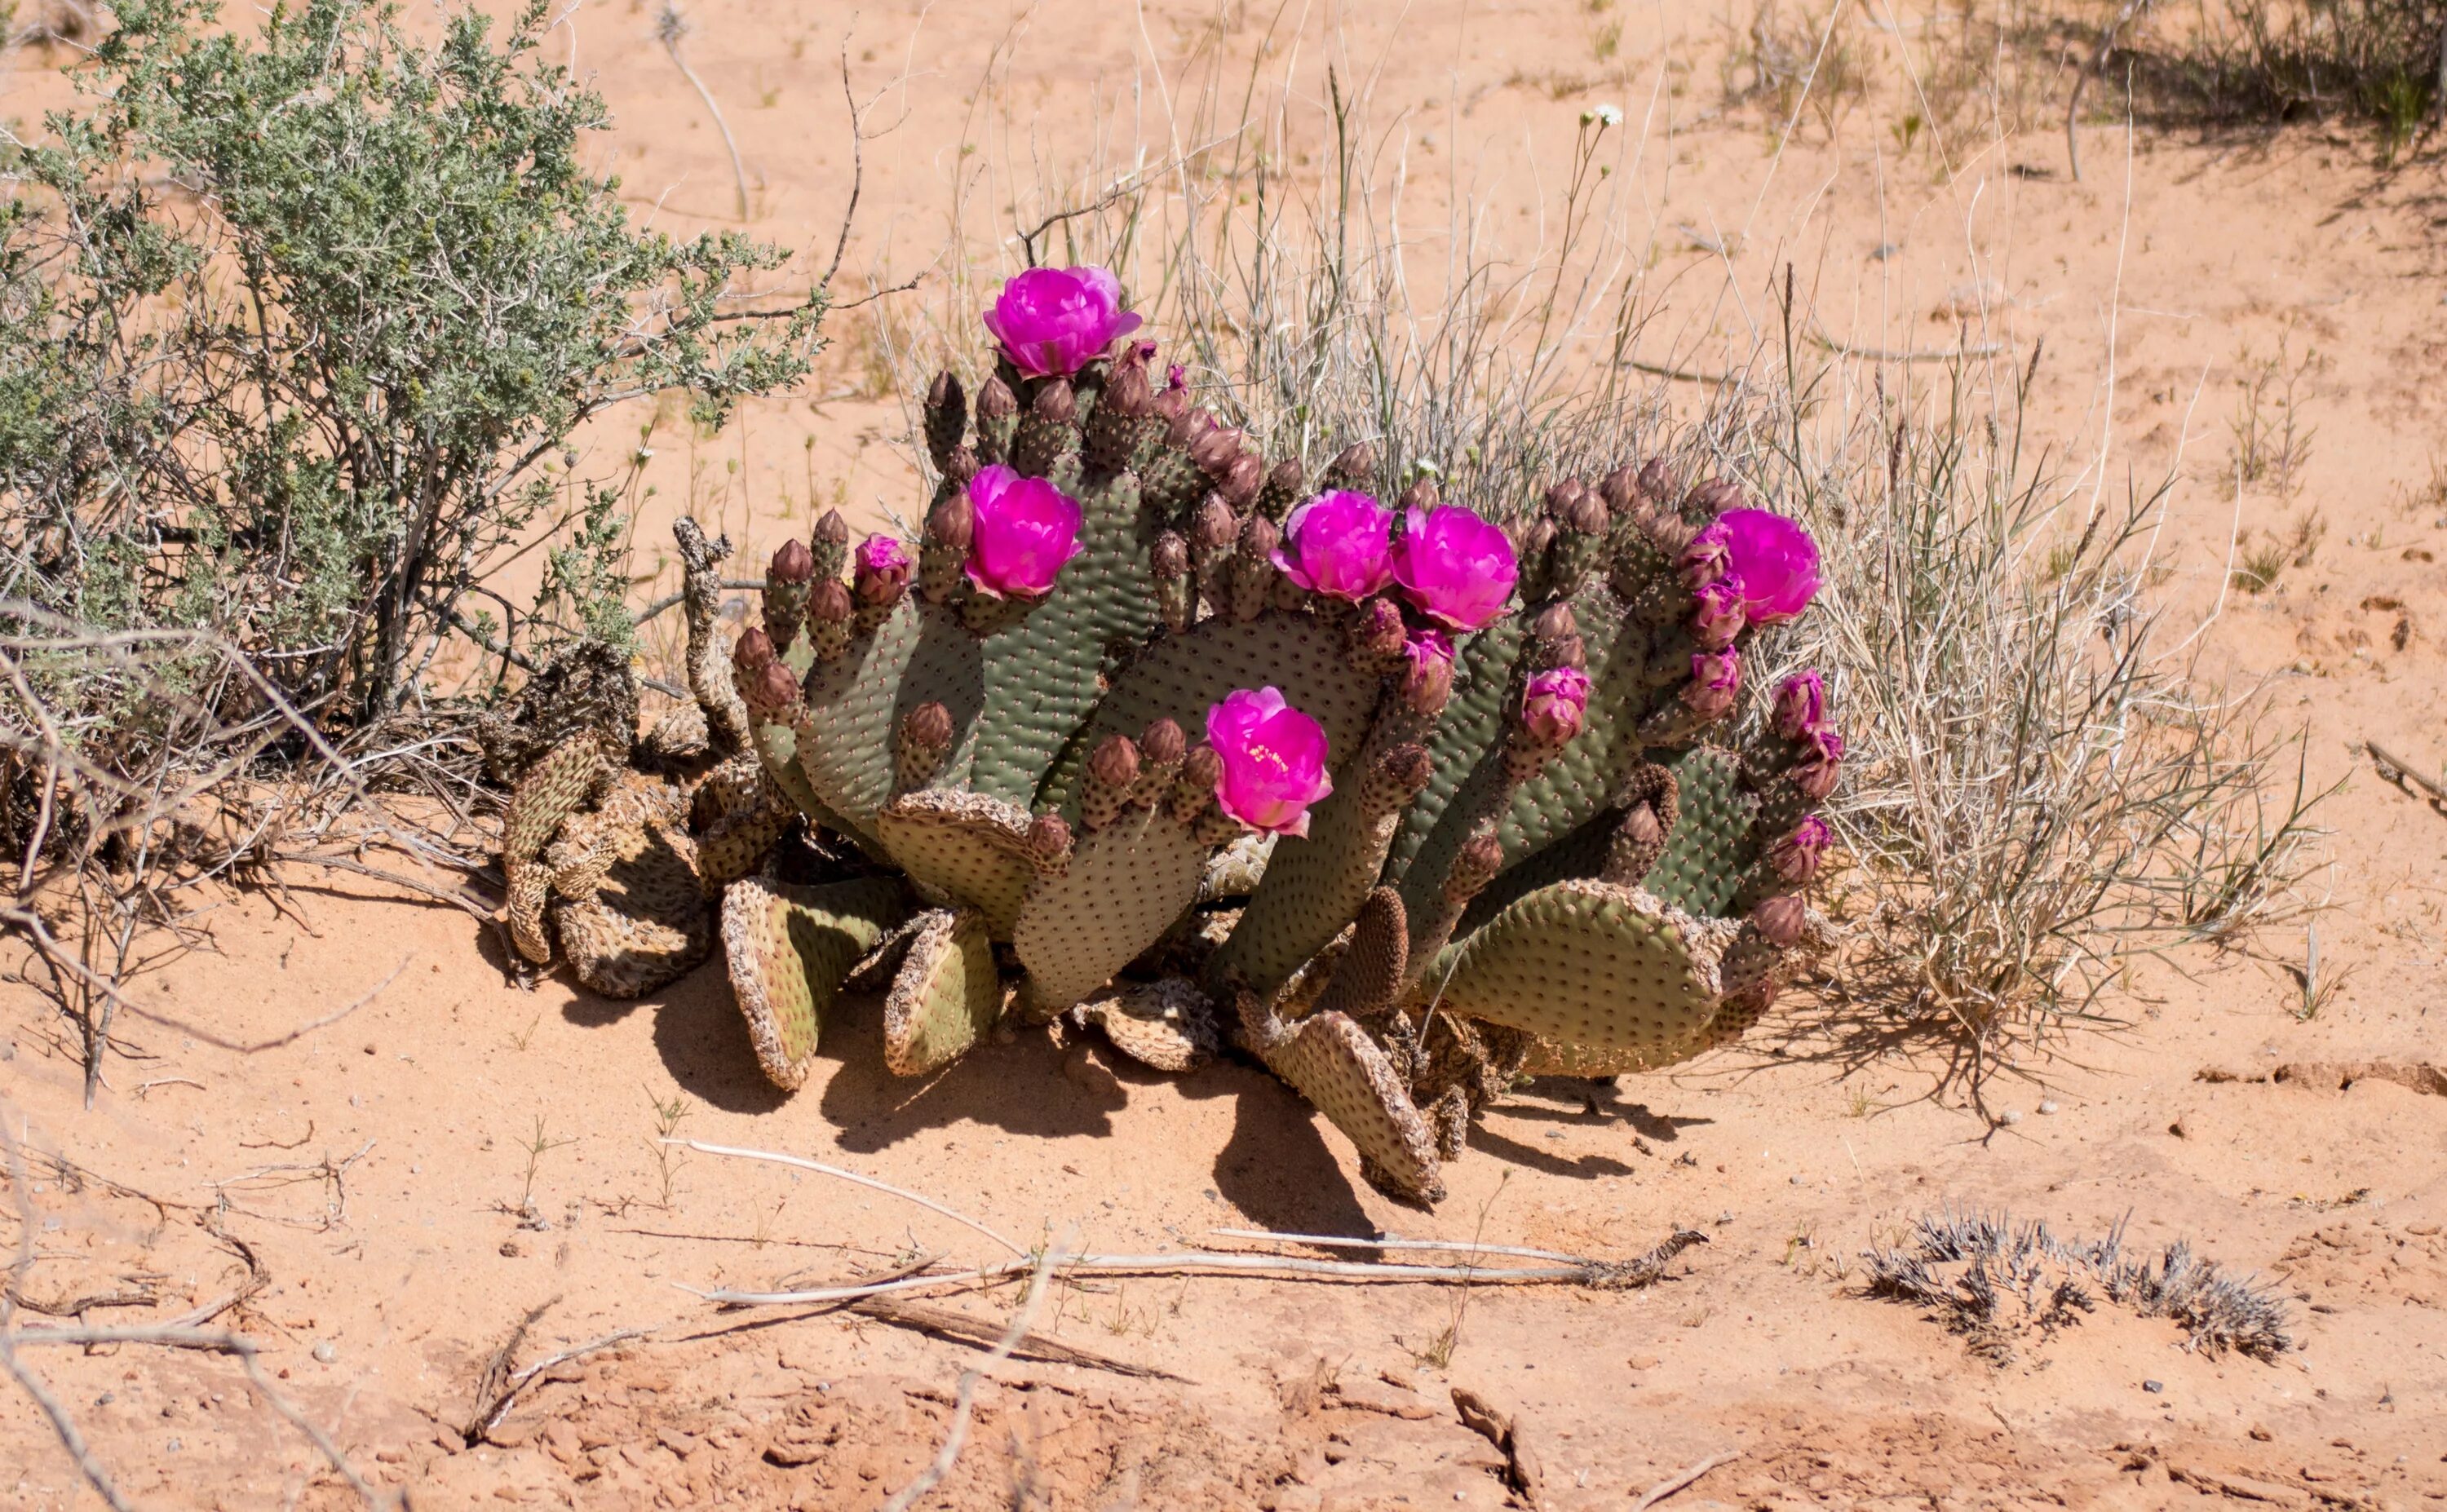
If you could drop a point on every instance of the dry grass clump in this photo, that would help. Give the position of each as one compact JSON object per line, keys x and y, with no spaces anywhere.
{"x":2041,"y":786}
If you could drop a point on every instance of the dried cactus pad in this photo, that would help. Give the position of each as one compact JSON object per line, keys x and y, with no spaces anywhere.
{"x":789,"y":947}
{"x":947,"y":997}
{"x":1331,"y":1061}
{"x":1169,"y":1025}
{"x":963,"y":849}
{"x":1590,"y":964}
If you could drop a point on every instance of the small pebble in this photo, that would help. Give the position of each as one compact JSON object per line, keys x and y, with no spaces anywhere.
{"x":2049,"y":1105}
{"x":325,"y":1352}
{"x":2010,"y":1117}
{"x":1801,"y":1180}
{"x":2154,"y":1387}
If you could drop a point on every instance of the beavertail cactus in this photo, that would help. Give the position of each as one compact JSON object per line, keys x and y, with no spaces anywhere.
{"x":1426,"y":802}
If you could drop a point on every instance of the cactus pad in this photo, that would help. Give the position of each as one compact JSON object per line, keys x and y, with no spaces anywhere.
{"x":961,"y":849}
{"x":788,"y":949}
{"x":1331,"y":1061}
{"x":1124,"y":887}
{"x":1711,"y":844}
{"x":946,"y":995}
{"x":1590,"y":964}
{"x":1169,"y":1025}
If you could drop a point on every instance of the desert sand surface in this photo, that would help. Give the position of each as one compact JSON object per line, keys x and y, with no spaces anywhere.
{"x":462,"y":1153}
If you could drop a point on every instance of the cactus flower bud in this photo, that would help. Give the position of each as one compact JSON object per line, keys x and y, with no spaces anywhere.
{"x":1163,"y":745}
{"x":1407,"y":767}
{"x":1716,"y":678}
{"x":1773,"y":559}
{"x":1027,"y":530}
{"x":1800,"y":705}
{"x":1703,"y":561}
{"x":1656,"y":480}
{"x":1586,"y":514}
{"x":769,"y":690}
{"x":928,"y":726}
{"x":1049,"y":841}
{"x":1642,"y":825}
{"x":1536,"y":538}
{"x":1115,"y":763}
{"x":1377,"y":633}
{"x":955,"y":522}
{"x":1795,"y":858}
{"x":1554,"y":622}
{"x":1816,"y":773}
{"x":1781,"y":919}
{"x":753,"y":650}
{"x":1473,"y":866}
{"x":1456,"y":568}
{"x":1169,"y":404}
{"x":1713,"y":496}
{"x":1259,"y":538}
{"x":1353,"y":466}
{"x":830,"y":603}
{"x":1427,"y":671}
{"x":1335,"y":544}
{"x":1127,"y":392}
{"x":995,"y":401}
{"x":1717,"y":614}
{"x":1056,"y":404}
{"x":1420,"y":495}
{"x":1240,"y":480}
{"x":793,"y":563}
{"x":1620,"y":487}
{"x":1554,"y":705}
{"x":1215,"y":450}
{"x":1273,"y":760}
{"x":1214,"y":526}
{"x":1055,"y":321}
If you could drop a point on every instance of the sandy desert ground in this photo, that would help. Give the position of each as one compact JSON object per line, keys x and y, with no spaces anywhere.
{"x":460,"y":1153}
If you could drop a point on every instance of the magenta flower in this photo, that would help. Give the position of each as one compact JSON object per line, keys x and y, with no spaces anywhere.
{"x":1553,"y":708}
{"x":1703,"y":561}
{"x":1057,"y":320}
{"x":1717,"y":614}
{"x":1274,"y":761}
{"x":1025,"y":531}
{"x":1334,"y":544}
{"x":1800,"y":705}
{"x":1456,"y":567}
{"x":1772,"y":558}
{"x":1816,"y":773}
{"x":1427,"y":670}
{"x":882,"y":557}
{"x":1795,"y":858}
{"x":1716,"y":677}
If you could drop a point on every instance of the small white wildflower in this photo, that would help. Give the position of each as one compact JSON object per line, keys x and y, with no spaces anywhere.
{"x":1601,"y":116}
{"x":644,"y":455}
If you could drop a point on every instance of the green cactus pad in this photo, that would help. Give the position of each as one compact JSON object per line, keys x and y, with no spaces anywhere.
{"x":856,"y":701}
{"x":1632,"y":669}
{"x":777,"y":747}
{"x":1124,"y":887}
{"x":1043,"y":673}
{"x":1590,"y":964}
{"x":789,"y":947}
{"x":1331,"y":1061}
{"x":1181,"y":676}
{"x":1714,"y":846}
{"x":962,"y":850}
{"x":946,"y":995}
{"x":1310,"y":888}
{"x":1167,"y":1025}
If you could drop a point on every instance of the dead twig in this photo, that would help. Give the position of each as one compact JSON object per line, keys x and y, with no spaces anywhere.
{"x":167,"y":1021}
{"x":2404,"y":770}
{"x":493,"y":1392}
{"x":669,"y":28}
{"x":952,"y":1324}
{"x":965,"y":1398}
{"x":1681,"y":1478}
{"x":869,"y":1181}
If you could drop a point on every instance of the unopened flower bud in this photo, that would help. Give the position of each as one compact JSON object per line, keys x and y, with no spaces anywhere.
{"x":1420,"y":495}
{"x":1816,"y":772}
{"x":1620,"y":487}
{"x":753,"y":650}
{"x":1781,"y":919}
{"x":1554,"y":622}
{"x":1586,"y":514}
{"x":1171,"y":555}
{"x":793,"y":563}
{"x":954,"y":524}
{"x":928,"y":726}
{"x":1049,"y":840}
{"x":1473,"y":866}
{"x":1795,"y":858}
{"x":1555,"y":705}
{"x":1715,"y":497}
{"x":1214,"y":526}
{"x":995,"y":401}
{"x":769,"y":690}
{"x":1656,"y":480}
{"x":1127,"y":391}
{"x":1115,"y":763}
{"x":1377,"y":631}
{"x":1238,"y":484}
{"x":1717,"y":614}
{"x":1163,"y":745}
{"x":1355,"y":464}
{"x":830,"y":603}
{"x":1056,"y":404}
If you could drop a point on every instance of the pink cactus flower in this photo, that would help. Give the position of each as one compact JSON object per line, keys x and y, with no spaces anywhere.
{"x":1800,"y":705}
{"x":1816,"y":773}
{"x":1773,"y":559}
{"x":1274,"y":761}
{"x":1795,"y":858}
{"x":1703,"y":561}
{"x":1717,"y":614}
{"x":1456,"y":567}
{"x":883,"y":559}
{"x":1554,"y":705}
{"x":1716,"y":677}
{"x":1334,"y":544}
{"x":1025,"y":531}
{"x":1057,"y":320}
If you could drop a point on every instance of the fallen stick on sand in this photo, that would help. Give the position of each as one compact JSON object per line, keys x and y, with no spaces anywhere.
{"x":1681,"y":1478}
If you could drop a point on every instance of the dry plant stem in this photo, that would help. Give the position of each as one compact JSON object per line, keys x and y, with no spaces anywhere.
{"x":2107,"y":50}
{"x":822,"y":1169}
{"x":62,"y":1426}
{"x":965,"y":1398}
{"x":1680,"y":1479}
{"x":2406,"y":770}
{"x":670,"y":28}
{"x":1447,"y":1246}
{"x":949,"y":1323}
